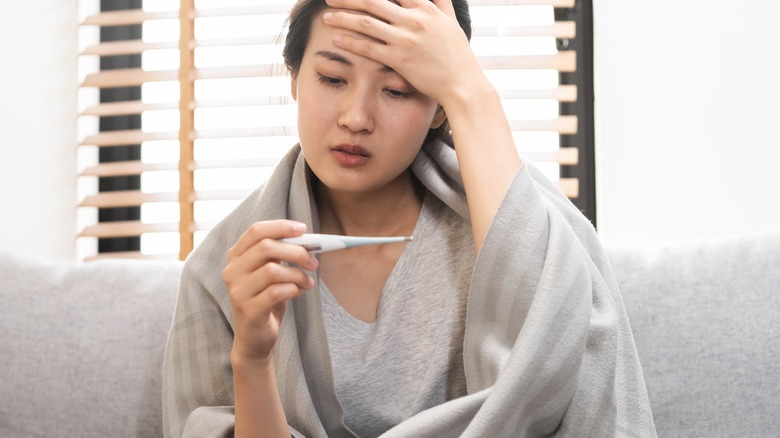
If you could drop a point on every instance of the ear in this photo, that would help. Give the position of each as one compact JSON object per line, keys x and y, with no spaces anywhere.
{"x":438,"y":118}
{"x":294,"y":85}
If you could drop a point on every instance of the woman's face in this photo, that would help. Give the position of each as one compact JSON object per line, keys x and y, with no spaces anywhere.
{"x":360,"y":123}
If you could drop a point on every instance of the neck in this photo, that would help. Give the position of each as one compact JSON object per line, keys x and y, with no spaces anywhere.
{"x":390,"y":211}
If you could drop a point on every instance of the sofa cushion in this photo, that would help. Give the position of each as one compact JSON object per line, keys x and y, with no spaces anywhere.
{"x":706,"y":321}
{"x":81,"y":346}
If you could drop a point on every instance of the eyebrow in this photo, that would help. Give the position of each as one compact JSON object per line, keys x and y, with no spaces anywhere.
{"x":333,"y":56}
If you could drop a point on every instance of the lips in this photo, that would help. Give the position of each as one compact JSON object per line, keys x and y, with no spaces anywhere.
{"x":350,"y":155}
{"x":351,"y":149}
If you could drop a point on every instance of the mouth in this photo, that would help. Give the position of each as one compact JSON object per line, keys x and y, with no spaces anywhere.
{"x":351,"y":149}
{"x":350,"y":155}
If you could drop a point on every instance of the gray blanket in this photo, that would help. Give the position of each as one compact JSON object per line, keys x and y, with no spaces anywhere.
{"x":548,"y":349}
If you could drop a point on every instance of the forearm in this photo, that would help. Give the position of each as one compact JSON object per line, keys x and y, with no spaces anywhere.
{"x":258,"y":408}
{"x":486,"y":152}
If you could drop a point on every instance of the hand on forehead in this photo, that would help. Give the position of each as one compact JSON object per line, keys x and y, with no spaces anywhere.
{"x":349,"y":32}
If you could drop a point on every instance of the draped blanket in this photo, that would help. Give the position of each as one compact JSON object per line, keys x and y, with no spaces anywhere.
{"x":547,"y":351}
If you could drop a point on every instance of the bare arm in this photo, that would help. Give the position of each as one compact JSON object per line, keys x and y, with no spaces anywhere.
{"x":486,"y":153}
{"x":258,"y":407}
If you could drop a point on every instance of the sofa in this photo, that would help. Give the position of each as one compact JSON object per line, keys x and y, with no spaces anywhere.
{"x":81,"y":344}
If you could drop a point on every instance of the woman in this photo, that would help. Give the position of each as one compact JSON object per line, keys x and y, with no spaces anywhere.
{"x":501,"y":318}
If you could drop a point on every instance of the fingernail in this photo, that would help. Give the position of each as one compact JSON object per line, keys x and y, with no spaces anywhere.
{"x":297,"y":226}
{"x":327,"y":16}
{"x":313,"y":263}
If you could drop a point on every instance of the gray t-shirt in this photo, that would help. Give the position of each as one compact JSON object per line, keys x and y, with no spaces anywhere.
{"x":410,"y":358}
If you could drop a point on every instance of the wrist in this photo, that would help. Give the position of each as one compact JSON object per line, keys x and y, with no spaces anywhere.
{"x":467,"y":103}
{"x":252,"y":364}
{"x":469,"y":97}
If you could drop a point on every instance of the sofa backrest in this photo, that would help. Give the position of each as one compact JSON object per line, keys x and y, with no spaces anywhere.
{"x":706,"y":321}
{"x":81,"y":346}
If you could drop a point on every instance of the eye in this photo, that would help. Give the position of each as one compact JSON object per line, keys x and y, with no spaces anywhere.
{"x":397,"y":94}
{"x":327,"y":80}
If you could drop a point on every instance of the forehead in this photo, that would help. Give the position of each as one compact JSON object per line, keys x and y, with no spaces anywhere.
{"x":321,"y":36}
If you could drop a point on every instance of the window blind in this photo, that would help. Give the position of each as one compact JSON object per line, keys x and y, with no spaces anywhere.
{"x":217,"y":114}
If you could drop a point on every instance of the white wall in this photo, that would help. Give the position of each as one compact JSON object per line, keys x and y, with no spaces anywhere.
{"x":687,"y":113}
{"x":38,"y":126}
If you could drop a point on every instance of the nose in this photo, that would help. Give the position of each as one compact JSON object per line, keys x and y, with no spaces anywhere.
{"x":356,"y":112}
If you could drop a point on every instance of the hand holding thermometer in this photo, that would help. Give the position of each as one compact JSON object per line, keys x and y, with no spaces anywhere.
{"x":317,"y":243}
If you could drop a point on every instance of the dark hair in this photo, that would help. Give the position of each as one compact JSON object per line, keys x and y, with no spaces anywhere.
{"x":300,"y":23}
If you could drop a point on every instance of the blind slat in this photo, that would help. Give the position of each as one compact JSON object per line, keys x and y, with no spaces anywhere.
{"x":560,"y":29}
{"x":221,"y":195}
{"x":237,"y":163}
{"x":133,"y":77}
{"x":233,"y":11}
{"x":564,"y":156}
{"x":259,"y":101}
{"x":568,"y":156}
{"x":131,"y":47}
{"x":127,"y":137}
{"x":138,"y":16}
{"x":135,"y":198}
{"x":134,"y":47}
{"x":126,"y":198}
{"x":127,"y":77}
{"x":565,"y":61}
{"x":127,"y":17}
{"x":126,"y":108}
{"x":563,"y":29}
{"x":563,"y":93}
{"x":272,"y":131}
{"x":125,"y":168}
{"x":138,"y":107}
{"x":126,"y":229}
{"x":242,"y":71}
{"x":562,"y":125}
{"x":134,"y":229}
{"x":553,"y":3}
{"x":566,"y":125}
{"x":245,"y":41}
{"x":130,"y":255}
{"x":569,"y":187}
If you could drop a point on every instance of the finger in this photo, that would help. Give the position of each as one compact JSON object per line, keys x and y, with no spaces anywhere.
{"x":446,"y":7}
{"x":255,"y":283}
{"x":366,"y":48}
{"x":271,"y":250}
{"x":383,"y":9}
{"x":277,"y":294}
{"x":367,"y":25}
{"x":275,"y":229}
